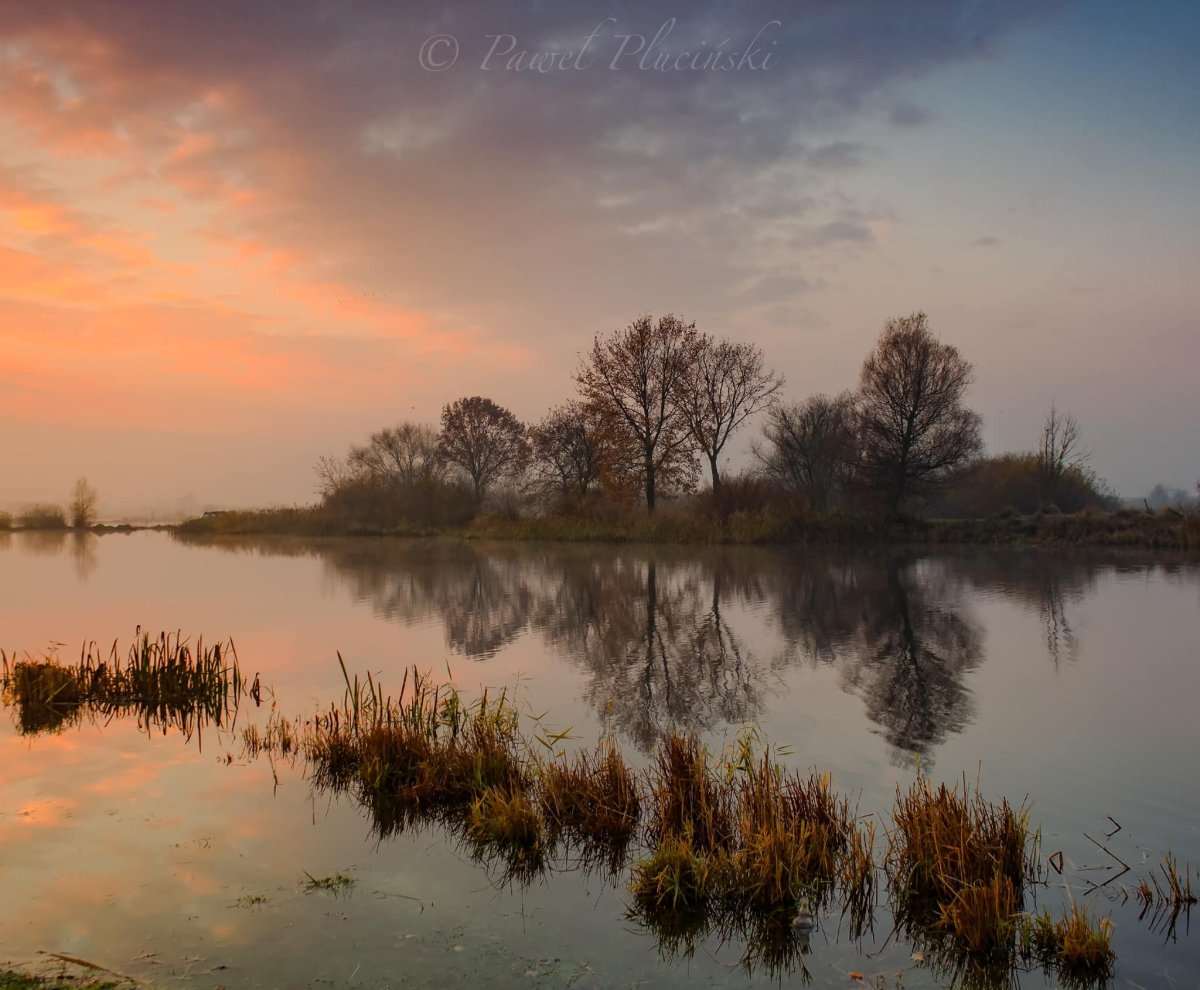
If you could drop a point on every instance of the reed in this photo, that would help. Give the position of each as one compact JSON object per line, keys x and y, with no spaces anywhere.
{"x":166,"y":682}
{"x":593,"y":798}
{"x":1077,"y":945}
{"x":954,"y":849}
{"x":688,"y":800}
{"x":790,"y":833}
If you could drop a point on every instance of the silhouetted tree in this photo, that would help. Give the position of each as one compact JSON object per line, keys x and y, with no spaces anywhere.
{"x":82,"y":507}
{"x":567,"y":449}
{"x":726,"y":385}
{"x":635,"y":375}
{"x":404,"y":455}
{"x":1059,"y":453}
{"x":810,"y":446}
{"x":914,"y":429}
{"x":484,"y":439}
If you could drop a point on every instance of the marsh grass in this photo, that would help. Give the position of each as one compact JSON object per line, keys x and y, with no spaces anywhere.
{"x":1163,"y":901}
{"x":166,"y":682}
{"x":688,"y":799}
{"x":958,"y":864}
{"x":1077,"y":946}
{"x":592,"y":803}
{"x":727,"y":846}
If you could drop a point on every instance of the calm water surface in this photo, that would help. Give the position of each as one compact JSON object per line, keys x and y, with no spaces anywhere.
{"x":1071,"y":679}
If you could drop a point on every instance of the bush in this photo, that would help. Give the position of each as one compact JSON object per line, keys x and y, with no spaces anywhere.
{"x":42,"y":517}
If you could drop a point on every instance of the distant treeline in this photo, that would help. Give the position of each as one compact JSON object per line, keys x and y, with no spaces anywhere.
{"x":656,"y":406}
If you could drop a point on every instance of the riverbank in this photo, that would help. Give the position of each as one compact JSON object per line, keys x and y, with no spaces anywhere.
{"x":1167,"y":530}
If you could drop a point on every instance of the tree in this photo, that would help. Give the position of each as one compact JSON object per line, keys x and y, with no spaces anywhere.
{"x":810,"y":446}
{"x":914,"y":429}
{"x":568,"y":447}
{"x":405,"y":456}
{"x":484,"y":439}
{"x":635,"y":375}
{"x":82,"y":508}
{"x":727,"y":384}
{"x":1059,"y":453}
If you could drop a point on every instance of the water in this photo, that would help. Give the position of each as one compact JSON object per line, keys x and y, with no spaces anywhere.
{"x":1071,"y":679}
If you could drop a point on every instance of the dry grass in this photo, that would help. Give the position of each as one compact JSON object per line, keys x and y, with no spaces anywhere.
{"x":594,"y":803}
{"x":945,"y":841}
{"x":1163,"y":901}
{"x":165,"y":682}
{"x":688,"y":799}
{"x":1077,"y":945}
{"x":791,"y":831}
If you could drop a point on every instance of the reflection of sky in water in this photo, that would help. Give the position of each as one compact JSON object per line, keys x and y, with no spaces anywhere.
{"x":1071,"y":679}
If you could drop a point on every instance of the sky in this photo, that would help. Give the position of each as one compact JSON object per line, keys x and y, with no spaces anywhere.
{"x":235,"y":236}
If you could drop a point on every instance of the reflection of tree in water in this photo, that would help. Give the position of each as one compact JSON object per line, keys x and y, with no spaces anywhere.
{"x":656,"y":644}
{"x":484,"y":601}
{"x":915,"y":649}
{"x":83,"y":549}
{"x":894,"y":629}
{"x":651,"y":630}
{"x":653,"y":637}
{"x":1048,"y":584}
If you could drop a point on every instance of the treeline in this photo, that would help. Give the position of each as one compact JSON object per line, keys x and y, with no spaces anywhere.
{"x":79,"y":513}
{"x":656,"y":407}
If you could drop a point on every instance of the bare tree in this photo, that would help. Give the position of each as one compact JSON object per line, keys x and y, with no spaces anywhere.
{"x":914,"y":429}
{"x":568,"y":448}
{"x":82,"y":508}
{"x":810,"y":446}
{"x":727,"y":385}
{"x":1060,"y":452}
{"x":484,"y":439}
{"x":404,"y":455}
{"x":635,"y":374}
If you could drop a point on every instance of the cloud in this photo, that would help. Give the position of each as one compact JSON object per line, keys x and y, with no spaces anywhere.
{"x":838,"y":155}
{"x":259,"y":200}
{"x":987,"y":241}
{"x":905,"y":114}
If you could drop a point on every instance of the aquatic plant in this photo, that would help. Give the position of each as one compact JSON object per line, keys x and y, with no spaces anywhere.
{"x":958,"y":862}
{"x":166,"y":682}
{"x":1077,"y":946}
{"x":593,"y":801}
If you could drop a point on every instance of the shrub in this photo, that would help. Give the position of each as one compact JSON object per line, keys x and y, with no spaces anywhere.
{"x":43,"y":517}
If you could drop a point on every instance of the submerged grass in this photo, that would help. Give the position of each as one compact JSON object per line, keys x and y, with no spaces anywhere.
{"x":166,"y":682}
{"x":1077,"y":945}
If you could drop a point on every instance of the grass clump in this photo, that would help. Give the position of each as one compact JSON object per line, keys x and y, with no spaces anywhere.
{"x":1077,"y":945}
{"x":688,"y":798}
{"x":791,"y":831}
{"x":336,"y":884}
{"x":165,"y":682}
{"x":958,"y":865}
{"x":508,"y":826}
{"x":594,"y":802}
